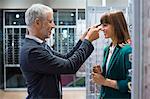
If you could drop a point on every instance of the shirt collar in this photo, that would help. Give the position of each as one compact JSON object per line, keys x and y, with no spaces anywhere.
{"x":34,"y":38}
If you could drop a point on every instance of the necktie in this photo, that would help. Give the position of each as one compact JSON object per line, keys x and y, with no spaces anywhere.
{"x":45,"y":45}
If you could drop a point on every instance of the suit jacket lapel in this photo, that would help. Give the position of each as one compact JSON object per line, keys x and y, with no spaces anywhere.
{"x":105,"y":60}
{"x":113,"y":58}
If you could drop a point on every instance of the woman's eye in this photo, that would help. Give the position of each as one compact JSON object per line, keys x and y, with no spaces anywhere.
{"x":104,"y":24}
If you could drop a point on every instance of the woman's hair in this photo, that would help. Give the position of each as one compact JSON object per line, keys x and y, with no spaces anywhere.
{"x":36,"y":11}
{"x":117,"y":21}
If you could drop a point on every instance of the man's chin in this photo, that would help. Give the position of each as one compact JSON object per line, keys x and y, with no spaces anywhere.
{"x":48,"y":36}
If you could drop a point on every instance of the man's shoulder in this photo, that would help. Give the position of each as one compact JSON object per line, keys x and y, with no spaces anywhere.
{"x":29,"y":44}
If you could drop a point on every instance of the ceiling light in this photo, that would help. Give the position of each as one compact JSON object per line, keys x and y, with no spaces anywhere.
{"x":17,"y":16}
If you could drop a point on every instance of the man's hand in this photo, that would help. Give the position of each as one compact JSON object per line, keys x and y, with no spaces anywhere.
{"x":93,"y":33}
{"x":83,"y":35}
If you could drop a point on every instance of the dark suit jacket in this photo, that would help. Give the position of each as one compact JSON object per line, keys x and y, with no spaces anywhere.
{"x":42,"y":68}
{"x":119,"y":69}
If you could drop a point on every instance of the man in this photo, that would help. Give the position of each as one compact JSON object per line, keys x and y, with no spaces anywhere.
{"x":40,"y":65}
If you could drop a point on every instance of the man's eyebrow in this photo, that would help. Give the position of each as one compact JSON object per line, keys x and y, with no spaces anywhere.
{"x":50,"y":19}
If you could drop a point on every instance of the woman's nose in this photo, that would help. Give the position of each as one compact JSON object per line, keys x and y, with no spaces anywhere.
{"x":102,"y":29}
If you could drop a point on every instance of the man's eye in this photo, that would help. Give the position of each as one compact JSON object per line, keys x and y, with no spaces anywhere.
{"x":50,"y":21}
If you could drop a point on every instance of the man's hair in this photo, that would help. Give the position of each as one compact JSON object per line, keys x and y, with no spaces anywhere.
{"x":117,"y":20}
{"x":36,"y":11}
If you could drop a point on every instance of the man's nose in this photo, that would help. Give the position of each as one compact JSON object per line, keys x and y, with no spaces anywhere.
{"x":53,"y":24}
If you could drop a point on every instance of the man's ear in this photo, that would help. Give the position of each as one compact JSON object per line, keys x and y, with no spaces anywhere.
{"x":37,"y":21}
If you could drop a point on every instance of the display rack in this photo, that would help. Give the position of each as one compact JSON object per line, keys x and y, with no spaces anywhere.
{"x":13,"y":33}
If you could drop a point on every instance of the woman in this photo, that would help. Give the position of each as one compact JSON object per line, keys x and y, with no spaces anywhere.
{"x":115,"y":76}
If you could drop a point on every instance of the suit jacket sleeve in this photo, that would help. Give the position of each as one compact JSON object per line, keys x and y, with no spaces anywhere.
{"x":67,"y":55}
{"x":123,"y":85}
{"x":42,"y":61}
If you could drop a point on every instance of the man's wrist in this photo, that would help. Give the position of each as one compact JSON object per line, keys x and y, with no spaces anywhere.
{"x":87,"y":38}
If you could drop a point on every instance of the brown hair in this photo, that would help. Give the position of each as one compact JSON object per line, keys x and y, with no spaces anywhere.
{"x":118,"y":22}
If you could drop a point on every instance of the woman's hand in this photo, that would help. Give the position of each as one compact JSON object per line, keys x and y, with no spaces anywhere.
{"x":97,"y":69}
{"x":98,"y":78}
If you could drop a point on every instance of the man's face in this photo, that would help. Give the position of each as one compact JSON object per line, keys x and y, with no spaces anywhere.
{"x":47,"y":26}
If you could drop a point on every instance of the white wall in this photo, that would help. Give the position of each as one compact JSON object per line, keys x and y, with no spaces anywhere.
{"x":117,"y":3}
{"x":15,"y":4}
{"x":94,"y":2}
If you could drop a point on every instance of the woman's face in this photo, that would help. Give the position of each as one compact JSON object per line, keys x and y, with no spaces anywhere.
{"x":108,"y":30}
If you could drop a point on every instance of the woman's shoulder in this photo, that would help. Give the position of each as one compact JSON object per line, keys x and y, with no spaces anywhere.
{"x":126,"y":48}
